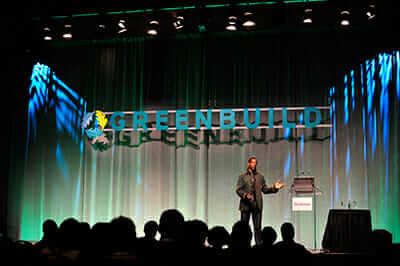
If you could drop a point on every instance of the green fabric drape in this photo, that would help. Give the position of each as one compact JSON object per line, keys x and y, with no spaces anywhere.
{"x":142,"y":174}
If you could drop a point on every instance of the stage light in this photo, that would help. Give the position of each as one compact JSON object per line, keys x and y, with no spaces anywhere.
{"x":47,"y":34}
{"x":102,"y":23}
{"x":345,"y":18}
{"x":122,"y":24}
{"x":231,"y":26}
{"x":153,"y":27}
{"x":67,"y":31}
{"x":307,"y":16}
{"x":101,"y":29}
{"x":248,"y":20}
{"x":178,"y":23}
{"x":371,"y":14}
{"x":122,"y":30}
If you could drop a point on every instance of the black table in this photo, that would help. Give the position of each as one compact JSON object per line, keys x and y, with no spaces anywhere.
{"x":347,"y":230}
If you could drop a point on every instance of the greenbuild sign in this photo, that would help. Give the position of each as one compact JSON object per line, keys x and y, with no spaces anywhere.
{"x":226,"y":119}
{"x":95,"y":122}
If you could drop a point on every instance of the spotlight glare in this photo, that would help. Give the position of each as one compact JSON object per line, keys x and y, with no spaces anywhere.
{"x":249,"y":23}
{"x":152,"y":32}
{"x":345,"y":22}
{"x":67,"y":34}
{"x":178,"y":23}
{"x":122,"y":30}
{"x":345,"y":18}
{"x":248,"y":20}
{"x":230,"y":27}
{"x":47,"y":34}
{"x":371,"y":12}
{"x":307,"y":16}
{"x":122,"y":24}
{"x":153,"y":26}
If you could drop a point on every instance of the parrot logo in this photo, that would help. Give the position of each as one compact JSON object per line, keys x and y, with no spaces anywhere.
{"x":94,"y":123}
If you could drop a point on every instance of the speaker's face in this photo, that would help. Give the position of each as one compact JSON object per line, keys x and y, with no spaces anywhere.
{"x":252,"y":164}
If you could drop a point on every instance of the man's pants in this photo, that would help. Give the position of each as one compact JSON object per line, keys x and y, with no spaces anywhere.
{"x":256,"y":217}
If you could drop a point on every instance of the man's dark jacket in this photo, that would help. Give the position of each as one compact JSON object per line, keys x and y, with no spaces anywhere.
{"x":253,"y":184}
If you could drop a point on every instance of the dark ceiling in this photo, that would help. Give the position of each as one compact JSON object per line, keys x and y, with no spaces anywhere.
{"x":271,"y":16}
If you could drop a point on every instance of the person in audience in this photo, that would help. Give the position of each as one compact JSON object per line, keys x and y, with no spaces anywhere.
{"x":218,"y":237}
{"x":179,"y":240}
{"x":124,"y":235}
{"x":171,"y":226}
{"x":69,"y":240}
{"x":268,"y":236}
{"x":168,"y":250}
{"x":288,"y":247}
{"x":48,"y":244}
{"x":150,"y":230}
{"x":266,"y":248}
{"x":195,"y":234}
{"x":193,"y":242}
{"x":239,"y":248}
{"x":241,"y":235}
{"x":146,"y":244}
{"x":84,"y":234}
{"x":218,"y":240}
{"x":99,"y":244}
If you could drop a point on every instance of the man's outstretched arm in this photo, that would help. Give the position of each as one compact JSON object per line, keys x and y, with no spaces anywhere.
{"x":271,"y":189}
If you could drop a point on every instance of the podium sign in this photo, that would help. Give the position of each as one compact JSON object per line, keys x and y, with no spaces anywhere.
{"x":302,"y":204}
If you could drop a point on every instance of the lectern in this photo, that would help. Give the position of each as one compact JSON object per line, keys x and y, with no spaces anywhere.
{"x":304,"y":186}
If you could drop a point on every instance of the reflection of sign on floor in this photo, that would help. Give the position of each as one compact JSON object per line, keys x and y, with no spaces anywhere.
{"x":302,"y":204}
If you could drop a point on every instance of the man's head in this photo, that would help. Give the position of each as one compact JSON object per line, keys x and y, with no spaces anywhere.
{"x":287,"y":231}
{"x":171,"y":224}
{"x":49,"y":227}
{"x":268,"y":236}
{"x":241,"y":235}
{"x":252,"y":163}
{"x":150,"y":229}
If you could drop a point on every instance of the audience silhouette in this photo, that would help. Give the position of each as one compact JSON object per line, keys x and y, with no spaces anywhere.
{"x":48,"y":243}
{"x":181,"y":242}
{"x":289,"y":248}
{"x":218,"y":237}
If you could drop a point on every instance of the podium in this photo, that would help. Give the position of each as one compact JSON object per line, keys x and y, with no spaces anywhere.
{"x":304,"y":192}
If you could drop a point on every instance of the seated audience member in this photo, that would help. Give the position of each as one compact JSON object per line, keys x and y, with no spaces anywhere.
{"x":48,"y":244}
{"x":289,"y":248}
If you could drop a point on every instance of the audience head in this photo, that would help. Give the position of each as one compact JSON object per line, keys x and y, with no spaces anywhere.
{"x":241,"y":235}
{"x":195,"y":233}
{"x":49,"y":228}
{"x":150,"y":229}
{"x":84,"y":227}
{"x":268,"y":236}
{"x":287,"y":232}
{"x":218,"y":236}
{"x":101,"y":238}
{"x":171,"y":224}
{"x":69,"y":233}
{"x":124,"y":232}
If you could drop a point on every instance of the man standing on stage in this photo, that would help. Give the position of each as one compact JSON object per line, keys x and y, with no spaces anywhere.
{"x":249,"y":187}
